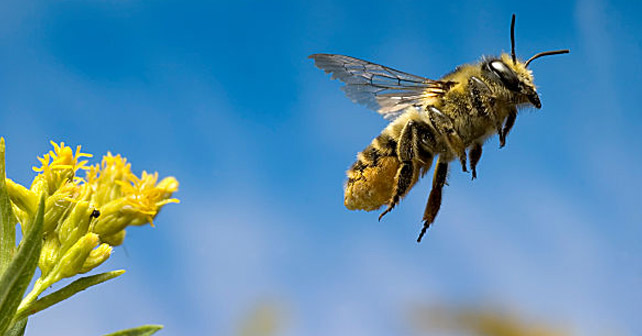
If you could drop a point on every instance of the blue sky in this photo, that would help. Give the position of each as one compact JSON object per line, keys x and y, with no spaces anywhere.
{"x":222,"y":96}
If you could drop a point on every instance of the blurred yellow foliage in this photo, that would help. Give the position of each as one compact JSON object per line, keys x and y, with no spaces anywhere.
{"x":478,"y":321}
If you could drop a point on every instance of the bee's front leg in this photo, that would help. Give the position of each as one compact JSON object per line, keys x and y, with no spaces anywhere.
{"x":483,"y":101}
{"x":508,"y":125}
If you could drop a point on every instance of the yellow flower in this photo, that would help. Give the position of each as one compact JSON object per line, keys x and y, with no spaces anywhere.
{"x":104,"y":181}
{"x":58,"y":167}
{"x":83,"y":217}
{"x":62,"y":157}
{"x":147,"y":197}
{"x":123,"y":198}
{"x":139,"y":204}
{"x":81,"y":214}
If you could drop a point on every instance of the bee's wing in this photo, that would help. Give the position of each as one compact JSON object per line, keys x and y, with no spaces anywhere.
{"x":385,"y":90}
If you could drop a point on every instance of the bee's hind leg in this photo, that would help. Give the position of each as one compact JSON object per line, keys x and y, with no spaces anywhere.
{"x":434,"y":199}
{"x":407,"y":173}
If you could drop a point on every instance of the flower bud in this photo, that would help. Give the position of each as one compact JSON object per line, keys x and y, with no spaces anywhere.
{"x":96,"y":257}
{"x":22,"y":197}
{"x":168,"y":185}
{"x":57,"y":207}
{"x":115,"y":239}
{"x":39,"y":185}
{"x":112,"y":218}
{"x":73,"y":260}
{"x":75,"y":225}
{"x":49,"y":254}
{"x":142,"y":219}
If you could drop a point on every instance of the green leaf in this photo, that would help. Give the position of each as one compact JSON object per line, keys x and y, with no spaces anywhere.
{"x":16,"y":278}
{"x":145,"y":330}
{"x":7,"y":219}
{"x":66,"y":292}
{"x":17,"y":329}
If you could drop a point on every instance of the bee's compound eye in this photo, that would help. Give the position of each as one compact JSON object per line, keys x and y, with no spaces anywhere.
{"x":504,"y":73}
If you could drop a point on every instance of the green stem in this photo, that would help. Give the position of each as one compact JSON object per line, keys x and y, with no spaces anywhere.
{"x":38,"y":288}
{"x":64,"y":293}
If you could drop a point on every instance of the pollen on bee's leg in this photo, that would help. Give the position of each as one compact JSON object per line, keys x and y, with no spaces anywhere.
{"x":370,"y":186}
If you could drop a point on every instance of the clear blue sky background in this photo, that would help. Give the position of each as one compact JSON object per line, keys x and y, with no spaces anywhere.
{"x":222,"y":96}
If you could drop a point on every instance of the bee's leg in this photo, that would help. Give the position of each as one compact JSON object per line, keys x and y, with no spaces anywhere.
{"x":462,"y":161}
{"x":502,"y":137}
{"x":407,"y":172}
{"x":434,"y":199}
{"x":427,"y":144}
{"x":475,"y":154}
{"x":484,"y":103}
{"x":508,"y":125}
{"x":444,"y":125}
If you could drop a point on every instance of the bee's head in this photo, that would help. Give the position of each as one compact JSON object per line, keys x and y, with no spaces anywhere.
{"x":514,"y":77}
{"x":513,"y":74}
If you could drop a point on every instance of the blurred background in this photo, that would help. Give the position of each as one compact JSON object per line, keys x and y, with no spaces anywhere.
{"x":221,"y":95}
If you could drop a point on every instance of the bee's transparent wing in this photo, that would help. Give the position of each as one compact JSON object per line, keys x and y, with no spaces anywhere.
{"x":385,"y":90}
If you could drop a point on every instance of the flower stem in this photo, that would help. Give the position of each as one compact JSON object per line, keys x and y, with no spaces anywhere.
{"x":38,"y":288}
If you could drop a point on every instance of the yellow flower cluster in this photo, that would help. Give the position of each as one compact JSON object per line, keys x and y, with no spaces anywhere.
{"x":85,"y":217}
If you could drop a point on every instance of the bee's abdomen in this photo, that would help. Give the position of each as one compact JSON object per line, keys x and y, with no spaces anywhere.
{"x":371,"y":178}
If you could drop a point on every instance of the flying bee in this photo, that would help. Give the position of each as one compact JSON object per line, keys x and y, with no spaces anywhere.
{"x":449,"y":119}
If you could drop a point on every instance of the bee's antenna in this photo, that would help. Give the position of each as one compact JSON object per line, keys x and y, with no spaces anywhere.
{"x":546,"y":53}
{"x":512,"y":40}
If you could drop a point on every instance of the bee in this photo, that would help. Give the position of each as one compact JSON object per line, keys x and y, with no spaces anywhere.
{"x":449,"y":119}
